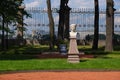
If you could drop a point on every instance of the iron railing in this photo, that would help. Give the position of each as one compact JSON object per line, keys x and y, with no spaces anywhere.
{"x":83,"y":17}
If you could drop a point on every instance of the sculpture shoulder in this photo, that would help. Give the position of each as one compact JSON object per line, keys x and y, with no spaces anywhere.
{"x":73,"y":34}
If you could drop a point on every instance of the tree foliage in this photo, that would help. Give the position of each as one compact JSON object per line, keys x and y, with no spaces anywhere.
{"x":9,"y":9}
{"x":9,"y":14}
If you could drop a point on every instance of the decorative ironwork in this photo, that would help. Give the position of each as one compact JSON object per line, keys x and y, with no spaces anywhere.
{"x":83,"y":17}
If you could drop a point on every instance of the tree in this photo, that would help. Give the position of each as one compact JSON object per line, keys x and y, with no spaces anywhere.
{"x":8,"y":8}
{"x":51,"y":24}
{"x":20,"y":25}
{"x":63,"y":27}
{"x":109,"y":25}
{"x":8,"y":12}
{"x":96,"y":26}
{"x":67,"y":20}
{"x":61,"y":20}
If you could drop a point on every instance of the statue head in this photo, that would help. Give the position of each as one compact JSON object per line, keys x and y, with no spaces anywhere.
{"x":73,"y":27}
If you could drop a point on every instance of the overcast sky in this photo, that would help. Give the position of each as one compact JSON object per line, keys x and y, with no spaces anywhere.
{"x":72,"y":3}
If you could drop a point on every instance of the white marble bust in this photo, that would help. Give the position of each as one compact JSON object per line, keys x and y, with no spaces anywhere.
{"x":73,"y":33}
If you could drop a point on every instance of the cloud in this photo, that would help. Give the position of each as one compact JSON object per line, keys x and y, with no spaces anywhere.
{"x":41,"y":3}
{"x":86,"y":3}
{"x":102,"y":3}
{"x":36,"y":3}
{"x":72,"y":3}
{"x":55,"y":3}
{"x":81,"y":3}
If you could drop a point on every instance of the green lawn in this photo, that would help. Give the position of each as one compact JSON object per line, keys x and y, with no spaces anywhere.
{"x":101,"y":62}
{"x":23,"y":58}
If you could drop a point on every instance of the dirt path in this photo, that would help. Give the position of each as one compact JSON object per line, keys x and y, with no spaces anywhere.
{"x":69,"y":75}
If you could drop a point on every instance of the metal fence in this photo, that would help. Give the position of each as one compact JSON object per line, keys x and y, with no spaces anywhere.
{"x":83,"y":17}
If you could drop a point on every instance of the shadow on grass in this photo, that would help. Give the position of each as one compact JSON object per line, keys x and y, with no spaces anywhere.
{"x":23,"y":52}
{"x":16,"y":57}
{"x":117,"y":48}
{"x":29,"y":52}
{"x":83,"y":60}
{"x":102,"y":57}
{"x":100,"y":53}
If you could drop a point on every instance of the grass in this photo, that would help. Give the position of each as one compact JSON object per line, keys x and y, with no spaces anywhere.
{"x":17,"y":59}
{"x":108,"y":62}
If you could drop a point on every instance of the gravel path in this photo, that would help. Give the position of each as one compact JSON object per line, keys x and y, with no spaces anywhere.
{"x":63,"y":75}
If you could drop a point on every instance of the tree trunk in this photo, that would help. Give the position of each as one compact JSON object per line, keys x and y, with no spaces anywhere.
{"x":109,"y":26}
{"x":96,"y":26}
{"x":67,"y":20}
{"x":3,"y":32}
{"x":63,"y":28}
{"x":61,"y":20}
{"x":20,"y":26}
{"x":6,"y":37}
{"x":51,"y":24}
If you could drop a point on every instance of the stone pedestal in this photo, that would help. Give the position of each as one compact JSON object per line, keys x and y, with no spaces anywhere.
{"x":73,"y":58}
{"x":73,"y":53}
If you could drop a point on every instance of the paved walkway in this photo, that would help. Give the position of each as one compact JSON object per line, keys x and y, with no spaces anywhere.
{"x":63,"y":75}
